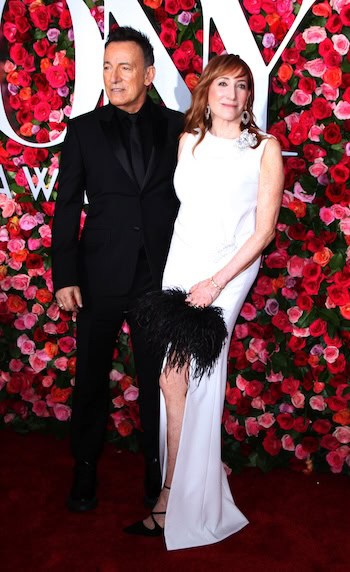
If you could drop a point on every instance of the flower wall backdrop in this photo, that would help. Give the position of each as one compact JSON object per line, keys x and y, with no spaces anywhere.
{"x":288,"y":387}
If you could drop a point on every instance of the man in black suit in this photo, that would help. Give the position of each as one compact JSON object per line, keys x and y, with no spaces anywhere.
{"x":124,"y":156}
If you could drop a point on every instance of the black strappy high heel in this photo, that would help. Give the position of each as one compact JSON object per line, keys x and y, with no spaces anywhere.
{"x":140,"y":529}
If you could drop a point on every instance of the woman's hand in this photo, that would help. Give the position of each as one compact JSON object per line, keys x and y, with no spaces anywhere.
{"x":203,"y":293}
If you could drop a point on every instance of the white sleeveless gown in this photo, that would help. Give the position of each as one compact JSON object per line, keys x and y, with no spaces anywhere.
{"x":217,"y":189}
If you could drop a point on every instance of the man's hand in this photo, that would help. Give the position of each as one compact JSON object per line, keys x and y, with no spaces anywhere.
{"x":69,"y":298}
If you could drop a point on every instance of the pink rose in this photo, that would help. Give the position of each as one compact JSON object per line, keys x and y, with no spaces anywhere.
{"x":317,"y":403}
{"x":50,"y":328}
{"x":30,"y":293}
{"x":331,"y":354}
{"x":118,"y":402}
{"x":287,"y":443}
{"x":266,"y":420}
{"x":345,"y":226}
{"x":252,"y":427}
{"x":299,"y":97}
{"x":241,"y":331}
{"x":274,"y":377}
{"x":26,"y":345}
{"x":315,"y":132}
{"x":15,"y":365}
{"x":241,"y":383}
{"x":19,"y":323}
{"x":248,"y":311}
{"x":326,"y":215}
{"x":335,"y":461}
{"x":329,"y":92}
{"x":298,"y":400}
{"x":39,"y":408}
{"x":38,"y":309}
{"x":318,"y":168}
{"x":342,"y":110}
{"x":294,"y":314}
{"x":314,"y":35}
{"x":131,"y":393}
{"x":316,"y":67}
{"x":67,"y":344}
{"x":342,"y":434}
{"x":8,"y":208}
{"x":27,"y":222}
{"x":34,"y":243}
{"x":300,"y":453}
{"x":339,"y":211}
{"x":258,"y":403}
{"x":37,"y":363}
{"x":61,"y":363}
{"x":4,"y":235}
{"x":295,"y":266}
{"x":53,"y":312}
{"x":20,"y":281}
{"x":116,"y":375}
{"x":341,"y":44}
{"x":47,"y":381}
{"x":62,"y":412}
{"x":30,"y":320}
{"x":45,"y":231}
{"x":291,"y":120}
{"x":16,"y":244}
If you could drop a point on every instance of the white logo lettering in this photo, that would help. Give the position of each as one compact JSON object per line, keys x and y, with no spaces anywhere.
{"x":41,"y":185}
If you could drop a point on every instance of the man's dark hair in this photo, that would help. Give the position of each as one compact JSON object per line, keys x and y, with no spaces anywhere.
{"x":128,"y":34}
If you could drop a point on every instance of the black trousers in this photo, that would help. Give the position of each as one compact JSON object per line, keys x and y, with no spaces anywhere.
{"x":98,"y":325}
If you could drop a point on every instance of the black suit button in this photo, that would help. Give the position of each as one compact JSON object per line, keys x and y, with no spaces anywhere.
{"x":137,"y":228}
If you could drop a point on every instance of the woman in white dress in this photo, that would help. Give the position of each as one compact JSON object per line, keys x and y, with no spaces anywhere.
{"x":229,"y":180}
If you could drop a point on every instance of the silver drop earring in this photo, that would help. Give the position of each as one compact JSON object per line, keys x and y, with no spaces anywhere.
{"x":245,"y":117}
{"x":207,"y":113}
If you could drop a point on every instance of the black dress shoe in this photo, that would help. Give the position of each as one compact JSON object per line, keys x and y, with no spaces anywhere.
{"x":82,"y":497}
{"x":139,"y":528}
{"x":152,"y":482}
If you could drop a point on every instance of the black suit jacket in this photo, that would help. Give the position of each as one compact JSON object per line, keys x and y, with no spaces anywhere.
{"x":121,"y":217}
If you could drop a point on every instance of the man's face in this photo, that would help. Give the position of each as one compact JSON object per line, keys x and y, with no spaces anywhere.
{"x":125,"y":76}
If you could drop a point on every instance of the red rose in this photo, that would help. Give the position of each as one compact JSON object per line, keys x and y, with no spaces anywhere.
{"x":339,"y":173}
{"x":312,"y":152}
{"x":332,"y":59}
{"x":42,"y":136}
{"x":322,"y":426}
{"x":239,"y":433}
{"x":338,"y":294}
{"x":318,"y":328}
{"x":233,"y":395}
{"x":310,"y":444}
{"x":160,"y":14}
{"x":301,"y":424}
{"x":34,"y":261}
{"x":22,"y":25}
{"x":269,"y":6}
{"x":295,"y":344}
{"x":62,"y":328}
{"x":216,"y":44}
{"x":334,"y":24}
{"x":307,"y":84}
{"x":181,"y":59}
{"x":42,"y":111}
{"x":329,"y":442}
{"x":272,"y":445}
{"x":30,"y":157}
{"x":290,"y":55}
{"x":16,"y":8}
{"x":297,"y":231}
{"x":187,"y":4}
{"x":305,"y":302}
{"x":10,"y":31}
{"x":56,"y":76}
{"x":18,"y":54}
{"x":257,"y":23}
{"x":335,"y":192}
{"x":168,"y":37}
{"x":332,"y":134}
{"x":124,"y":428}
{"x":285,"y":420}
{"x":41,"y":47}
{"x":338,"y":366}
{"x":281,"y":321}
{"x":290,"y":385}
{"x":321,"y":108}
{"x":41,"y":17}
{"x":277,"y":259}
{"x":43,"y":295}
{"x":300,"y":359}
{"x":298,"y":134}
{"x":336,"y":403}
{"x":13,"y":148}
{"x":272,"y":395}
{"x":65,"y":20}
{"x":172,"y":6}
{"x":252,"y":6}
{"x":67,"y":344}
{"x":254,"y":388}
{"x":15,"y":304}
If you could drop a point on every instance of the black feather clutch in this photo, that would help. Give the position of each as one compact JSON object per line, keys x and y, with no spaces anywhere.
{"x":181,"y":332}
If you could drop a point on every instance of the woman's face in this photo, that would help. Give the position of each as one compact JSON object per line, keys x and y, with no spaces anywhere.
{"x":227,"y":97}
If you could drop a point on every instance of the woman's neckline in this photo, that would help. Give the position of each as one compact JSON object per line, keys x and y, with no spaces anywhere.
{"x":230,"y":139}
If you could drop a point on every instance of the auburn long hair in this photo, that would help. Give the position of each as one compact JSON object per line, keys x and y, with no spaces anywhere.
{"x":218,"y":66}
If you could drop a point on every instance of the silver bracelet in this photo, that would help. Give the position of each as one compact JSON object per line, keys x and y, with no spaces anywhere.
{"x":215,"y":284}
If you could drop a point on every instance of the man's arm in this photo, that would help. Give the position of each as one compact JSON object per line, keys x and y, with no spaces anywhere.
{"x":66,"y":222}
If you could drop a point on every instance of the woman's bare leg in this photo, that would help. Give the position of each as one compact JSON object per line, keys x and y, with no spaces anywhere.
{"x":173,"y":384}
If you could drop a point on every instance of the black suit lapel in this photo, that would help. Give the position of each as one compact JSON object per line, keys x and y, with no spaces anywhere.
{"x":113,"y":136}
{"x":160,"y":130}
